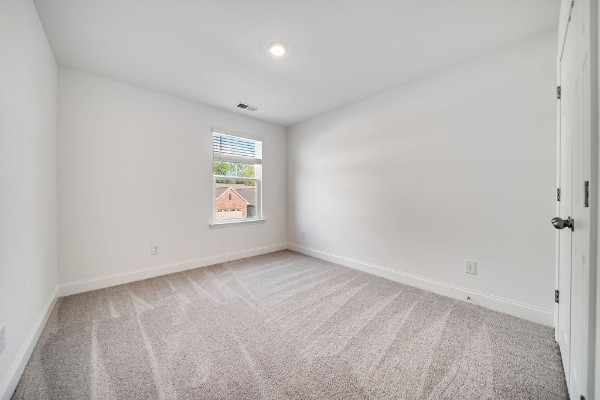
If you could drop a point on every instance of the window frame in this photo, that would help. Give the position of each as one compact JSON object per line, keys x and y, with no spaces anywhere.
{"x":258,"y":180}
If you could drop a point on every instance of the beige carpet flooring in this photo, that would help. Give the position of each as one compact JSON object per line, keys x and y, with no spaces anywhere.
{"x":286,"y":326}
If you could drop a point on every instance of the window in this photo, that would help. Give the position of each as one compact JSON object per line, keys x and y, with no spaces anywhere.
{"x":237,"y":170}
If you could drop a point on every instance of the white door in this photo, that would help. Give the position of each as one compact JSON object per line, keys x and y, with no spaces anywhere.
{"x":565,"y":211}
{"x":574,"y":175}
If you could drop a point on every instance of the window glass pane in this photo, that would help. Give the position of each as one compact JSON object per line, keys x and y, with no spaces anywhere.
{"x":237,"y":166}
{"x":234,"y":169}
{"x":235,"y":200}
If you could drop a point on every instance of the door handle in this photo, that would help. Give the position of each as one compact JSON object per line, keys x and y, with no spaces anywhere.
{"x":560,"y":223}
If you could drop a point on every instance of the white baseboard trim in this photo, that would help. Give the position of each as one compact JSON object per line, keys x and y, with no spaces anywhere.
{"x":515,"y":308}
{"x":85,"y":285}
{"x":10,"y":381}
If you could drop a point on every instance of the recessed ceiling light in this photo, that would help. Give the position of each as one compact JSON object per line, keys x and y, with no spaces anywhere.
{"x":277,"y":49}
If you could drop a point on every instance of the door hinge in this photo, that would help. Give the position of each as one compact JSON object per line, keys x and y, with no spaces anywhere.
{"x":557,"y":194}
{"x":558,"y":92}
{"x":556,"y":296}
{"x":572,"y":5}
{"x":586,"y":194}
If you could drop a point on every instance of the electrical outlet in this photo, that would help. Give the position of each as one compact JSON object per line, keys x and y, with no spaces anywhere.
{"x":2,"y":339}
{"x":154,"y":249}
{"x":471,"y":267}
{"x":303,"y":234}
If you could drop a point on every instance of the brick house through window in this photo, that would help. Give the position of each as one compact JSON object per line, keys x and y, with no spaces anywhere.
{"x":235,"y":201}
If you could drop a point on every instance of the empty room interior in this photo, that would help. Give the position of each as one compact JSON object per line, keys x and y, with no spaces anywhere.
{"x":319,"y":199}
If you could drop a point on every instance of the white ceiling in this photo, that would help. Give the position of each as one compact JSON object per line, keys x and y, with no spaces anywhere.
{"x":339,"y":51}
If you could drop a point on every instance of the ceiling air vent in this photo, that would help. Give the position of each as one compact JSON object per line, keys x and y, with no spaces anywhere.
{"x":247,"y":107}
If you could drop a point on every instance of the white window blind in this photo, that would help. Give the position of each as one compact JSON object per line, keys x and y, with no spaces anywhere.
{"x":236,"y":149}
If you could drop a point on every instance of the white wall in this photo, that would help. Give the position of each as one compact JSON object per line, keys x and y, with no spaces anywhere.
{"x":135,"y":169}
{"x":452,"y":167}
{"x":597,"y":321}
{"x":28,"y":266}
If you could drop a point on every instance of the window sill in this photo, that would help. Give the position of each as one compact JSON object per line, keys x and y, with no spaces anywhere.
{"x":236,"y":223}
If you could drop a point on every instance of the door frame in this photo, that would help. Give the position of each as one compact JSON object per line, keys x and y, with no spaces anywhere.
{"x":593,"y":330}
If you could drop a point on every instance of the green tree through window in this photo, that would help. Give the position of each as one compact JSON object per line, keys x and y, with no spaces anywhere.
{"x":233,"y":170}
